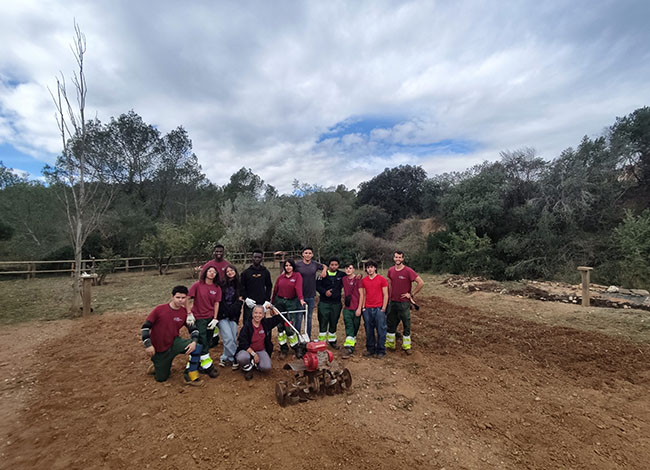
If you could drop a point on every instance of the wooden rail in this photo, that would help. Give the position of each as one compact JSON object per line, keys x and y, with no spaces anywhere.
{"x":138,"y":263}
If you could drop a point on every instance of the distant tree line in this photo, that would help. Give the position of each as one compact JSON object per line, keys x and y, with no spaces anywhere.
{"x":519,"y":217}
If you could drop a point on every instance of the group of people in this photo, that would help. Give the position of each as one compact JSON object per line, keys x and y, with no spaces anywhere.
{"x":212,"y":307}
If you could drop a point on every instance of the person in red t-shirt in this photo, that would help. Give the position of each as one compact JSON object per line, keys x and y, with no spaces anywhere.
{"x":287,"y":296}
{"x":217,"y":262}
{"x":162,"y":343}
{"x":373,"y":299}
{"x":400,"y":281}
{"x":202,"y":312}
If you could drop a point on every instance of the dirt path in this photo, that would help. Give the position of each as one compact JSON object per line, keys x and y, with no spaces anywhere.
{"x":482,"y":390}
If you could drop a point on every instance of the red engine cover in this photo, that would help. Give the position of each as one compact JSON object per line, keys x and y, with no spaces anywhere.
{"x":314,"y":350}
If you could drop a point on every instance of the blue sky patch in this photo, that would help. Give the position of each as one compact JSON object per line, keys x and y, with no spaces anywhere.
{"x":13,"y":158}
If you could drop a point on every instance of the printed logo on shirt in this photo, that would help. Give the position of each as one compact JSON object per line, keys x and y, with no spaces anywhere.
{"x":292,"y":280}
{"x":401,"y":277}
{"x":213,"y":292}
{"x":261,"y":332}
{"x":178,"y":319}
{"x":257,"y":275}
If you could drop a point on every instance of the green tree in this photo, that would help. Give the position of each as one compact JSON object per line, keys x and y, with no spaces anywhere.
{"x":633,"y":239}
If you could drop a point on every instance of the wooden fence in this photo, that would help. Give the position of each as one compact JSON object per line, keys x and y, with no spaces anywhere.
{"x":133,"y":264}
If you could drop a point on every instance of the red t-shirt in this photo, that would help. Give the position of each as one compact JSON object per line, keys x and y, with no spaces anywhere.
{"x":400,"y":282}
{"x":373,"y":287}
{"x":351,"y":288}
{"x":167,"y":323}
{"x":205,"y":296}
{"x":288,"y":287}
{"x":220,"y":267}
{"x":257,"y":341}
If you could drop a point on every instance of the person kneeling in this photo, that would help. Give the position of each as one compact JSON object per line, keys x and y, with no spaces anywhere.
{"x":255,"y":347}
{"x":162,"y":342}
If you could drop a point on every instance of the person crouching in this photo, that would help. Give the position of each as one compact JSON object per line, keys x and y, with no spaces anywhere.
{"x":255,"y":347}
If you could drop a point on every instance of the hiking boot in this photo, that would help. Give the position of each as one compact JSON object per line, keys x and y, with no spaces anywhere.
{"x":151,"y":369}
{"x":193,"y":383}
{"x":368,"y":354}
{"x":347,"y":353}
{"x":212,"y":372}
{"x":235,"y":365}
{"x":408,"y":352}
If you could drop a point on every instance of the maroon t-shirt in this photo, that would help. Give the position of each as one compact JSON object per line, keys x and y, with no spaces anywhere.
{"x":373,"y":287}
{"x":257,"y":341}
{"x":167,"y":323}
{"x":351,"y":288}
{"x":219,"y":266}
{"x":288,"y":287}
{"x":205,"y":296}
{"x":400,"y":282}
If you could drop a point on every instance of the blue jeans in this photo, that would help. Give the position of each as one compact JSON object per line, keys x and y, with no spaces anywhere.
{"x":228,"y":332}
{"x":375,"y":319}
{"x":310,"y":301}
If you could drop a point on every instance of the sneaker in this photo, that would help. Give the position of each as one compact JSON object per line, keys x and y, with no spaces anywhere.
{"x":212,"y":372}
{"x":381,"y":355}
{"x":248,"y":375}
{"x":408,"y":352}
{"x":368,"y":353}
{"x":235,"y":365}
{"x":222,"y":363}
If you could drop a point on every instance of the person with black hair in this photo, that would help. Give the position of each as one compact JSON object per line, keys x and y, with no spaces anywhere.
{"x":217,"y":261}
{"x":256,"y":284}
{"x":162,"y":342}
{"x":373,"y":300}
{"x":329,"y":288}
{"x":229,"y":313}
{"x":287,"y":296}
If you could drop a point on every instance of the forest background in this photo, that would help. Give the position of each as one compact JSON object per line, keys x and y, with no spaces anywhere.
{"x":521,"y":216}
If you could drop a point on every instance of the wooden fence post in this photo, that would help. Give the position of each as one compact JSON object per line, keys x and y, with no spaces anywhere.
{"x":584,"y":272}
{"x":126,"y":265}
{"x":86,"y":291}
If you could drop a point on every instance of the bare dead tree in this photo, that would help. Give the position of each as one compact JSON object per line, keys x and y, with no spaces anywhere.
{"x":84,"y":181}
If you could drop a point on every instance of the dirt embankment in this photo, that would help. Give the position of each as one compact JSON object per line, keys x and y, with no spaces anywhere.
{"x":480,"y":391}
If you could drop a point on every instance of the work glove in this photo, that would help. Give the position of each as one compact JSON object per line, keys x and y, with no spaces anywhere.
{"x":267,"y":305}
{"x":250,"y":303}
{"x":190,"y":320}
{"x":213,"y":324}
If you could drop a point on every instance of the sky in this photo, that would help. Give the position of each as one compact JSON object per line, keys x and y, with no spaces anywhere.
{"x":330,"y":92}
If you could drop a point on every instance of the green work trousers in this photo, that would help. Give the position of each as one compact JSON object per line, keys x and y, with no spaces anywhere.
{"x":328,"y":316}
{"x":352,"y":322}
{"x":286,"y":305}
{"x":162,"y":361}
{"x":399,"y":312}
{"x":205,"y":335}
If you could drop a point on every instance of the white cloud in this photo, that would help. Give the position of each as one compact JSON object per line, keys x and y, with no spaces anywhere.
{"x":256,"y":84}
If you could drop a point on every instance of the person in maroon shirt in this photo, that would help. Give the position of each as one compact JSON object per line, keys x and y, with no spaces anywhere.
{"x":373,"y":299}
{"x":254,"y":346}
{"x":287,"y":296}
{"x":162,"y":343}
{"x":400,"y":281}
{"x":217,"y":262}
{"x":351,"y":283}
{"x":202,"y":312}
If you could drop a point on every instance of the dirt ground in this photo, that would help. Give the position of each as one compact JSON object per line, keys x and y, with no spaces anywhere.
{"x":492,"y":383}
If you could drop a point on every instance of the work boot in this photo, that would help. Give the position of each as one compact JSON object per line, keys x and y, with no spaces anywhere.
{"x":212,"y":372}
{"x":347,"y":353}
{"x":193,"y":383}
{"x":368,"y":353}
{"x":334,"y":346}
{"x":284,"y":351}
{"x":408,"y":352}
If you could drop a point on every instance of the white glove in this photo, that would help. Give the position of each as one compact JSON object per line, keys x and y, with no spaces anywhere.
{"x":213,"y":324}
{"x":190,"y":320}
{"x":267,"y":305}
{"x":250,"y":303}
